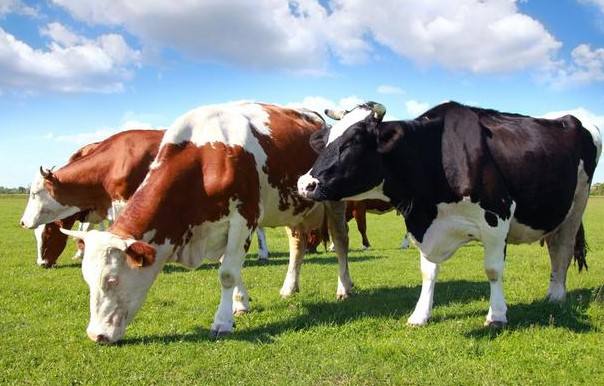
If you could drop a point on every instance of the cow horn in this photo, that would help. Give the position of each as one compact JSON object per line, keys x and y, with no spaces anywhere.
{"x":45,"y":173}
{"x":75,"y":234}
{"x":335,"y":114}
{"x":379,"y":110}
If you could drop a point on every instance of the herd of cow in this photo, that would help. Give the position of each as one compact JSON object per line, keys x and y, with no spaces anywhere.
{"x":201,"y":188}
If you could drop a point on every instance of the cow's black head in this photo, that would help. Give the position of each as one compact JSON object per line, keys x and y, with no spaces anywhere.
{"x":349,"y":165}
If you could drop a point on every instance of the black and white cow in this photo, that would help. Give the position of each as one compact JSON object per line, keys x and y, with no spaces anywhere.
{"x":461,"y":173}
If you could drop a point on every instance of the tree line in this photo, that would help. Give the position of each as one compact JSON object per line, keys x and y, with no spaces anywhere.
{"x":19,"y":190}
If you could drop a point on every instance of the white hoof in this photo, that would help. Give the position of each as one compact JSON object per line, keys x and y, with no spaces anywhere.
{"x":288,"y":291}
{"x":418,"y":320}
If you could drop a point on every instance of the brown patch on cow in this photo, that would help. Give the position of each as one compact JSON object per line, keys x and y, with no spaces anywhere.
{"x":102,"y":172}
{"x":53,"y":240}
{"x":191,"y":186}
{"x":288,"y":153}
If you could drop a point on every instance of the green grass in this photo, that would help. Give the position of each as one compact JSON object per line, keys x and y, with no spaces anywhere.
{"x":311,"y":338}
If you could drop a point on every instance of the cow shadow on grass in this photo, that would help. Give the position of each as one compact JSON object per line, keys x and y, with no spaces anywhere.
{"x":279,"y":258}
{"x":571,"y":315}
{"x":384,"y":302}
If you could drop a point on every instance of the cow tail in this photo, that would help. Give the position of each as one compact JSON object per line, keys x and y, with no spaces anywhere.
{"x":581,"y":248}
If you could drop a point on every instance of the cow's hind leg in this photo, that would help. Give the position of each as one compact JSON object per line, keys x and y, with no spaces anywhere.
{"x":494,"y":263}
{"x":423,"y":308}
{"x":297,"y":246}
{"x":230,"y":275}
{"x":263,"y":252}
{"x":562,"y":244}
{"x":336,"y":222}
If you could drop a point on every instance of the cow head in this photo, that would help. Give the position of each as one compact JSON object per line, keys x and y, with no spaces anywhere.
{"x":349,"y":165}
{"x":42,"y":207}
{"x":119,"y":273}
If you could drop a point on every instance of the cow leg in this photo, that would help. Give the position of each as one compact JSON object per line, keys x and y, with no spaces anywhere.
{"x":561,"y":247}
{"x":423,"y":308}
{"x":336,"y":222}
{"x":297,"y":246}
{"x":494,"y":262}
{"x":230,"y":276}
{"x":262,"y":246}
{"x":38,"y":233}
{"x":241,"y":299}
{"x":405,"y":242}
{"x":360,"y":216}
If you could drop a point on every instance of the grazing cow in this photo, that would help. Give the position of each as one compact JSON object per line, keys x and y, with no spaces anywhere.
{"x":460,"y":173}
{"x":92,"y":186}
{"x":221,"y":172}
{"x":50,"y":241}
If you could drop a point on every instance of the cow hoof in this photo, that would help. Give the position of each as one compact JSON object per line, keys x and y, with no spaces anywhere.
{"x":45,"y":264}
{"x":495,"y":324}
{"x":287,"y":292}
{"x":217,"y":334}
{"x":240,"y":312}
{"x":76,"y":258}
{"x":365,"y":247}
{"x":343,"y":296}
{"x":263,"y":260}
{"x":417,"y":321}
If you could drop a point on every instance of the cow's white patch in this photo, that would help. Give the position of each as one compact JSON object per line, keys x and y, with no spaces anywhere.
{"x":597,"y":137}
{"x":377,"y":193}
{"x":42,"y":208}
{"x":356,"y":115}
{"x":523,"y":234}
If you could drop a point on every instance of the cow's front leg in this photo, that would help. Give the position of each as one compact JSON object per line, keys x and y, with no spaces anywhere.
{"x":297,"y":246}
{"x":494,"y":262}
{"x":338,"y":229}
{"x":230,"y":276}
{"x":423,"y":308}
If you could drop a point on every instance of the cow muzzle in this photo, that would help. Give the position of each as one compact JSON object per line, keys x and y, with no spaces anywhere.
{"x":307,"y":186}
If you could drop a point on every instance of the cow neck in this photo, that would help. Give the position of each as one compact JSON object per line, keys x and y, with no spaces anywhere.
{"x":288,"y":153}
{"x":414,"y":167}
{"x":192,"y":185}
{"x":81,"y":183}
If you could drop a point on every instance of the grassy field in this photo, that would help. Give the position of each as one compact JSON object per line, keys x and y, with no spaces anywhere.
{"x":312,"y":338}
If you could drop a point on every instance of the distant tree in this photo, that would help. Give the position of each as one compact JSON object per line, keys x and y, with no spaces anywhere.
{"x":597,"y":189}
{"x":19,"y":190}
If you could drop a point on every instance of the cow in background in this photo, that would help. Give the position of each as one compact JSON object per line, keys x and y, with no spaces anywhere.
{"x":463,"y":173}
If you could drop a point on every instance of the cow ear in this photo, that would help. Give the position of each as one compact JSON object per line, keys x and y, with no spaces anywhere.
{"x":318,"y":140}
{"x":388,"y":136}
{"x":140,"y":254}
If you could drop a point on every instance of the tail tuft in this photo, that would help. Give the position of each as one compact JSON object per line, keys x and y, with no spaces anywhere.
{"x":581,"y":248}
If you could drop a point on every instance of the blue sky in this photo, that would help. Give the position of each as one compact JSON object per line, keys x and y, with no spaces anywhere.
{"x":74,"y":71}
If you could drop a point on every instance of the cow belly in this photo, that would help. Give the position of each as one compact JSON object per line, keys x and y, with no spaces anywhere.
{"x":208,"y":241}
{"x":523,"y":234}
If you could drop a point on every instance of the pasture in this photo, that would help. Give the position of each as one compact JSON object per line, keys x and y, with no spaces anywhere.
{"x":310,"y":338}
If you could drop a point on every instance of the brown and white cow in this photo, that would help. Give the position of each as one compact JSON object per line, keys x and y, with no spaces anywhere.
{"x":221,"y":171}
{"x":92,"y":186}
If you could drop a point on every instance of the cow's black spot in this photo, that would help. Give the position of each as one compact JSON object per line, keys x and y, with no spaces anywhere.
{"x":491,"y":219}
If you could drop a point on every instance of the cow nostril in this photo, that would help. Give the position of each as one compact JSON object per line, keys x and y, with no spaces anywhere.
{"x":22,"y":224}
{"x":101,"y":339}
{"x":311,"y":187}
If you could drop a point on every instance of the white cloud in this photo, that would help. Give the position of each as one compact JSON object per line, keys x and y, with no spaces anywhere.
{"x":70,"y":63}
{"x":469,"y":35}
{"x":587,"y":66}
{"x":415,"y":108}
{"x":390,"y":90}
{"x":260,"y":34}
{"x":597,"y":3}
{"x":87,"y":137}
{"x":18,"y":7}
{"x":586,"y":116}
{"x":319,"y":103}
